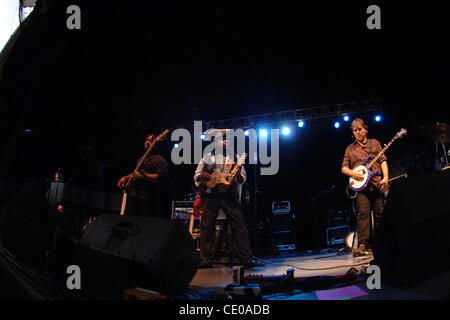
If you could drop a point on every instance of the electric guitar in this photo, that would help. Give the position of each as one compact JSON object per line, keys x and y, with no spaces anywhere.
{"x":364,"y":169}
{"x":132,"y":180}
{"x":217,"y":177}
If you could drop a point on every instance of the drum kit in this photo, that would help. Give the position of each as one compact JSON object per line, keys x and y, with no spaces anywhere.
{"x":440,"y":135}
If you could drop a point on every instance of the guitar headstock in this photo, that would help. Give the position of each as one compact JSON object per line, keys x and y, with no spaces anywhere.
{"x":242,"y":158}
{"x":401,"y":133}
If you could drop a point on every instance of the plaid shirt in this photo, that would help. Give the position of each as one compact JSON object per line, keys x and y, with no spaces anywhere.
{"x":356,"y":154}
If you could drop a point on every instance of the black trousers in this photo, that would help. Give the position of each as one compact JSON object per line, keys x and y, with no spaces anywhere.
{"x":212,"y":205}
{"x":367,"y":201}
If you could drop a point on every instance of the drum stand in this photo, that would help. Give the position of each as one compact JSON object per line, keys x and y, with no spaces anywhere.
{"x":438,"y":165}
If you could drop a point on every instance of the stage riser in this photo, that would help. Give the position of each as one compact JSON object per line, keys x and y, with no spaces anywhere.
{"x":412,"y":243}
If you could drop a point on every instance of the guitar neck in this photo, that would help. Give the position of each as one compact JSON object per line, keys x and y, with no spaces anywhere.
{"x":152,"y":146}
{"x":147,"y":153}
{"x":141,"y":162}
{"x":233,"y":173}
{"x":371,"y":163}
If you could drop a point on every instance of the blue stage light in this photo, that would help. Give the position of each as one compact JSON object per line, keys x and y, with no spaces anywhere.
{"x":378,"y":118}
{"x":246,"y":132}
{"x":263,"y":133}
{"x":175,"y":145}
{"x":346,"y":118}
{"x":286,"y":131}
{"x":337,"y":124}
{"x":202,"y":137}
{"x":301,"y":124}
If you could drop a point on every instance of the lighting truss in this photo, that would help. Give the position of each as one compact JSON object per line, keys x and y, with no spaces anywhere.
{"x":317,"y":117}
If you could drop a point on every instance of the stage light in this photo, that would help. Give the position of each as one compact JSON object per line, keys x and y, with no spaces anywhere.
{"x":286,"y":131}
{"x":301,"y":124}
{"x":175,"y":145}
{"x":346,"y":118}
{"x":337,"y":124}
{"x":202,"y":137}
{"x":378,"y":118}
{"x":263,"y":133}
{"x":246,"y":132}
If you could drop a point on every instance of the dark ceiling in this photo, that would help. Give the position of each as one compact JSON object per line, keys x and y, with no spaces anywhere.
{"x":145,"y":66}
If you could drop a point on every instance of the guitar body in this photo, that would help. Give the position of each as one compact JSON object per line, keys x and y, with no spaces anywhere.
{"x":217,"y":178}
{"x":198,"y":204}
{"x":358,"y":185}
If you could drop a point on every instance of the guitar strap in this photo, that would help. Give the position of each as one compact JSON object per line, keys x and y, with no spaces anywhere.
{"x":369,"y":142}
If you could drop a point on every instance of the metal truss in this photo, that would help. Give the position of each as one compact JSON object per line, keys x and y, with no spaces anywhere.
{"x":316,"y":117}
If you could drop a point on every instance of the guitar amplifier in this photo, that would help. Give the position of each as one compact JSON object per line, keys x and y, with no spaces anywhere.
{"x":336,"y":235}
{"x":283,"y":226}
{"x":180,"y":210}
{"x":281,"y":207}
{"x":338,"y":217}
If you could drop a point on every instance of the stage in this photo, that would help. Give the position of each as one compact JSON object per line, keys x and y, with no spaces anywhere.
{"x":337,"y":276}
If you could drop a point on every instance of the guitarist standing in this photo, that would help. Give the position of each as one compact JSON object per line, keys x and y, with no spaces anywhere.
{"x":149,"y":192}
{"x":372,"y":197}
{"x":225,"y":197}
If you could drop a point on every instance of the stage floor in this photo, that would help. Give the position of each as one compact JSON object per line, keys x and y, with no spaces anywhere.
{"x":207,"y":282}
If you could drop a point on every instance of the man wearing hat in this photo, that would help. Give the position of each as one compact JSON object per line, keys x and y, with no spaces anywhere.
{"x":225,"y":197}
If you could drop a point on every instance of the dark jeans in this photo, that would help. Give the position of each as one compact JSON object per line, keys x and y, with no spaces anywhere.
{"x":212,"y":205}
{"x":368,"y":201}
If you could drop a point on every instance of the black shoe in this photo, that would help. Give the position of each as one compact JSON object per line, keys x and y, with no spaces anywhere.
{"x":362,"y":250}
{"x":254,"y":264}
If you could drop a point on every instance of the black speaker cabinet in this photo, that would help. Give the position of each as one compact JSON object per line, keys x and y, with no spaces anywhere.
{"x":283,"y":231}
{"x":153,"y":253}
{"x":412,"y":243}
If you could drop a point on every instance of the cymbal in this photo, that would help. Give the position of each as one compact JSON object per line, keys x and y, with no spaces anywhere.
{"x":439,"y":132}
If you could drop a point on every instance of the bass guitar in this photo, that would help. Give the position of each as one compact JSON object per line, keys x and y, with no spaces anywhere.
{"x":364,"y":169}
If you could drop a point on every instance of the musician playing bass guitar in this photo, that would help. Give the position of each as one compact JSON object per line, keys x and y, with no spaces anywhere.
{"x":222,"y":196}
{"x":372,"y":197}
{"x":148,"y":195}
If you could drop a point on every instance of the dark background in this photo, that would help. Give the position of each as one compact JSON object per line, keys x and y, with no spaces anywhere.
{"x":90,"y":95}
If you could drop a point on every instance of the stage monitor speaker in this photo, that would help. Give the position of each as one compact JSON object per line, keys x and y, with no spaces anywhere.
{"x":412,"y":242}
{"x":164,"y":250}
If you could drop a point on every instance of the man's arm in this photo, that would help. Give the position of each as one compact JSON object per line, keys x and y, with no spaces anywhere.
{"x":241,"y":176}
{"x":144,"y":175}
{"x":158,"y":165}
{"x":384,"y":181}
{"x":350,"y":173}
{"x":199,"y":175}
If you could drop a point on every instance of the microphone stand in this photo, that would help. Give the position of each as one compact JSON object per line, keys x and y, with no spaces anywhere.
{"x":314,"y":201}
